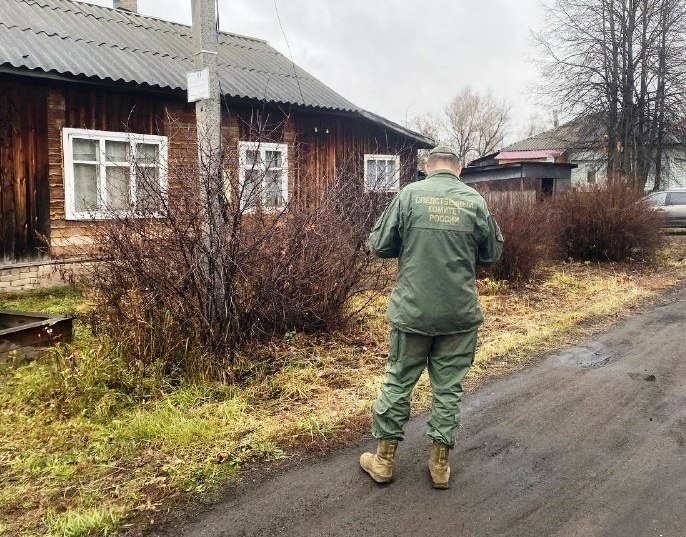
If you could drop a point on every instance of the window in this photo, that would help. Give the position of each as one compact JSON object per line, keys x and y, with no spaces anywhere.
{"x":113,"y":173}
{"x":381,"y":173}
{"x":677,"y":198}
{"x":659,"y":199}
{"x":591,"y":174}
{"x":263,"y":175}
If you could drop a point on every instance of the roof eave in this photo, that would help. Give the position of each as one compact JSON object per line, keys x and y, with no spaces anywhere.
{"x":131,"y":84}
{"x":422,"y":141}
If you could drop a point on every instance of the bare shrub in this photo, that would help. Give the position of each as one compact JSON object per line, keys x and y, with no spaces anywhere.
{"x":525,"y":224}
{"x":606,"y":222}
{"x":228,"y":261}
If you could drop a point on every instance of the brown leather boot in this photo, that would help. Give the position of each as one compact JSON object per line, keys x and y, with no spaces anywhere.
{"x":438,"y":465}
{"x":380,"y":465}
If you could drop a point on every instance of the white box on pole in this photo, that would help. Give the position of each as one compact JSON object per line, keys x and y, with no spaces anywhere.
{"x":198,"y":85}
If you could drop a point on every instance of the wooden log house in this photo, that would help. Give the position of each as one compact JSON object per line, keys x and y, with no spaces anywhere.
{"x":78,"y":79}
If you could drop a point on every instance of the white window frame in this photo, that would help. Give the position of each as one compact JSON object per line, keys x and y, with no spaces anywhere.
{"x":68,"y":135}
{"x":395,"y":186}
{"x":262,"y":147}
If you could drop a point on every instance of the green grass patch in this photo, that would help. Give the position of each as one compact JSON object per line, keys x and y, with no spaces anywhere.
{"x":87,"y":442}
{"x":64,"y":300}
{"x":82,"y":522}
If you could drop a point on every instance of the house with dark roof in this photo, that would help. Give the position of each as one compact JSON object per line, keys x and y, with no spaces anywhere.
{"x":81,"y":86}
{"x":569,"y":154}
{"x":580,"y":141}
{"x":532,"y":180}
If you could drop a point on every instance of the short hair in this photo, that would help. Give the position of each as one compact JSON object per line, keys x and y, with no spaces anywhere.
{"x":446,"y":158}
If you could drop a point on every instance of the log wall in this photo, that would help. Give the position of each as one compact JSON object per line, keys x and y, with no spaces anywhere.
{"x":24,"y":197}
{"x":34,"y":113}
{"x":118,"y":111}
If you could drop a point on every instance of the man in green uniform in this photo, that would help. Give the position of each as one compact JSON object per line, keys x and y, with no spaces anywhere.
{"x":439,"y":229}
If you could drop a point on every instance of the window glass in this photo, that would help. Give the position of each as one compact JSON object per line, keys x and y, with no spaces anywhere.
{"x":371,"y":174}
{"x":382,"y":174}
{"x":273,"y":195}
{"x":390,"y":167}
{"x":149,"y":199}
{"x":85,"y":149}
{"x":118,"y":188}
{"x":116,"y":151}
{"x":86,"y":187}
{"x":148,"y":152}
{"x":677,"y":198}
{"x":591,"y":175}
{"x":388,"y":179}
{"x":101,"y":180}
{"x":273,"y":159}
{"x":252,"y":157}
{"x":251,"y":188}
{"x":659,"y":199}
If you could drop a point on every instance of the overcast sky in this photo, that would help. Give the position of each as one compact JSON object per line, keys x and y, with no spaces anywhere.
{"x":398,"y":58}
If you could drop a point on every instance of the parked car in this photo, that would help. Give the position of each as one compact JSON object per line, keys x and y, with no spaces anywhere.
{"x":672,"y":203}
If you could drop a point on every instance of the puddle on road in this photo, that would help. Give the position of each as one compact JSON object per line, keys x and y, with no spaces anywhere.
{"x":586,"y":356}
{"x":596,"y":359}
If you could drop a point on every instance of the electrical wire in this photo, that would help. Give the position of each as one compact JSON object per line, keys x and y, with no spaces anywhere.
{"x":290,"y":53}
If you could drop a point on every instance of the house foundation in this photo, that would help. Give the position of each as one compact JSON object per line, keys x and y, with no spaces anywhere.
{"x":17,"y":277}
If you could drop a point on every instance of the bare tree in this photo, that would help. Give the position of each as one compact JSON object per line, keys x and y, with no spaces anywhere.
{"x":473,"y":124}
{"x":536,"y":123}
{"x":624,"y":62}
{"x":476,"y":123}
{"x":430,"y":126}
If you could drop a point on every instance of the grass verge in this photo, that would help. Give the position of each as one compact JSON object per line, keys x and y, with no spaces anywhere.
{"x":86,"y":447}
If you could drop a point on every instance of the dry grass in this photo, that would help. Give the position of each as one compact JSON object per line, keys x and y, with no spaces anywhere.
{"x":92,"y":467}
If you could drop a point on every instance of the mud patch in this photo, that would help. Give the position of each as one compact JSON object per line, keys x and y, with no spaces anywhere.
{"x":678,"y":432}
{"x":528,"y":476}
{"x":642,"y":376}
{"x":494,"y":446}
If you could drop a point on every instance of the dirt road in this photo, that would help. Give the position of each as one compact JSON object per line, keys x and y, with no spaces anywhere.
{"x":589,"y":442}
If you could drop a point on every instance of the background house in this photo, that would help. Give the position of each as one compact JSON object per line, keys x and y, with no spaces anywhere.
{"x":82,"y":87}
{"x":531,"y":179}
{"x":581,"y":143}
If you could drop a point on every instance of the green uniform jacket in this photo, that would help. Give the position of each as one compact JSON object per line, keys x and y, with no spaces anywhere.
{"x":439,"y":229}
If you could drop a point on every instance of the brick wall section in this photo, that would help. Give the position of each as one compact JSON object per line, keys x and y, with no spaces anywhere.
{"x":31,"y":276}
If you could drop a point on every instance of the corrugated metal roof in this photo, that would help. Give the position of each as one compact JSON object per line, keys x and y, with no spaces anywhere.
{"x":80,"y":39}
{"x":585,"y":132}
{"x":74,"y":38}
{"x":532,"y":154}
{"x":426,"y":142}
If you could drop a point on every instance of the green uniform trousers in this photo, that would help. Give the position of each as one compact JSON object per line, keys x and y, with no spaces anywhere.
{"x":448,"y":359}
